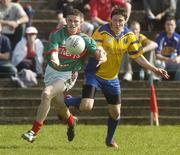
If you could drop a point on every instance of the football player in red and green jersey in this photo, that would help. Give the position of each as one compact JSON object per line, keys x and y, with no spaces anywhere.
{"x":59,"y":70}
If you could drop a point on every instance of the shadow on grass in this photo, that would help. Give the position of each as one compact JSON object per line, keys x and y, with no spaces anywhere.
{"x":9,"y":147}
{"x":57,"y":147}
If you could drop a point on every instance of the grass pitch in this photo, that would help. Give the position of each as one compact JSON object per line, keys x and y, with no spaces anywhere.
{"x":52,"y":140}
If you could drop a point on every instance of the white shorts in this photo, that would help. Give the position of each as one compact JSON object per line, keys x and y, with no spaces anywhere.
{"x":52,"y":75}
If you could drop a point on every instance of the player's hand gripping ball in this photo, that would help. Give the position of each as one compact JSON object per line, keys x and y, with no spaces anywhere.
{"x":75,"y":44}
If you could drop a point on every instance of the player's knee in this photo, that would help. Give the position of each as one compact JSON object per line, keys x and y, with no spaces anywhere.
{"x":115,"y":116}
{"x":86,"y":105}
{"x":115,"y":112}
{"x":46,"y":95}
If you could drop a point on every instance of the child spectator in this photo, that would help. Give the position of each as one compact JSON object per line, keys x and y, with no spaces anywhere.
{"x":147,"y":44}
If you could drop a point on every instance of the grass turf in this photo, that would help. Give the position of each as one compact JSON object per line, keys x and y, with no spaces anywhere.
{"x":52,"y":140}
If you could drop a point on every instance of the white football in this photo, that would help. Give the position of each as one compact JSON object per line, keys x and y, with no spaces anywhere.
{"x":75,"y":44}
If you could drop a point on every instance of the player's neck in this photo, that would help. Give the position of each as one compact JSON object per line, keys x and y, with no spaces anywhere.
{"x":116,"y":31}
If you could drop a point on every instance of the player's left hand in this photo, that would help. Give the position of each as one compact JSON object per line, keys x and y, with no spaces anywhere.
{"x":101,"y":55}
{"x":163,"y":73}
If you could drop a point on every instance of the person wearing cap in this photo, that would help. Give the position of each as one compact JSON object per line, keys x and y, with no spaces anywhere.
{"x":28,"y":53}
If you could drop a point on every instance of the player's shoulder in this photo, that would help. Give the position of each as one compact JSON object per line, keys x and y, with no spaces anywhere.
{"x":57,"y":33}
{"x":83,"y":35}
{"x":58,"y":30}
{"x":87,"y":39}
{"x":127,"y":32}
{"x":105,"y":27}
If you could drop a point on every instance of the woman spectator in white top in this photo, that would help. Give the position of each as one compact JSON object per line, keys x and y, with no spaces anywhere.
{"x":28,"y":53}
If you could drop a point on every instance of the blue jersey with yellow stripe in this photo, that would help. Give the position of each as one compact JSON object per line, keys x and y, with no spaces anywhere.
{"x":115,"y":47}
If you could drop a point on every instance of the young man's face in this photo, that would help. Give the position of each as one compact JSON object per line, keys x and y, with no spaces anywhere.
{"x":170,"y":26}
{"x":117,"y":23}
{"x":135,"y":28}
{"x":73,"y":23}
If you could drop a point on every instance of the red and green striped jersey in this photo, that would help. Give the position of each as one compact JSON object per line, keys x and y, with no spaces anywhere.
{"x":57,"y":41}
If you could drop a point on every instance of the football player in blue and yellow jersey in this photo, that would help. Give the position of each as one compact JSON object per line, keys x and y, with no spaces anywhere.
{"x":116,"y":39}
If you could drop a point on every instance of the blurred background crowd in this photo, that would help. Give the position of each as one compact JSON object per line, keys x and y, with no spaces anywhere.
{"x":21,"y":50}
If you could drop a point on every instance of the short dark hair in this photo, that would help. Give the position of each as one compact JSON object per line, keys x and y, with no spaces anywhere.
{"x":74,"y":12}
{"x":168,"y":18}
{"x":120,"y":11}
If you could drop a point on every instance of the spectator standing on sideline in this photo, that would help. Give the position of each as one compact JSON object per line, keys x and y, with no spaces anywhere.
{"x":168,"y":51}
{"x":148,"y":46}
{"x":5,"y":52}
{"x":101,"y":10}
{"x":12,"y":18}
{"x":116,"y":39}
{"x":59,"y":72}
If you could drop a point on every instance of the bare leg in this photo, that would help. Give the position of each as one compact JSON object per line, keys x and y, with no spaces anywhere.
{"x":47,"y":95}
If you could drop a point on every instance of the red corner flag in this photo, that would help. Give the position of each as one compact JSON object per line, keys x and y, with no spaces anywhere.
{"x":154,"y":106}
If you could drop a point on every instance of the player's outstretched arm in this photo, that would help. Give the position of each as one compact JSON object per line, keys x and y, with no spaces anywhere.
{"x":141,"y":60}
{"x":101,"y":55}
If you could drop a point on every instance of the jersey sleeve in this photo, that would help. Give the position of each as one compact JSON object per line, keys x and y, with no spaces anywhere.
{"x":135,"y":48}
{"x":143,"y":40}
{"x":90,"y":44}
{"x":97,"y":36}
{"x":52,"y":46}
